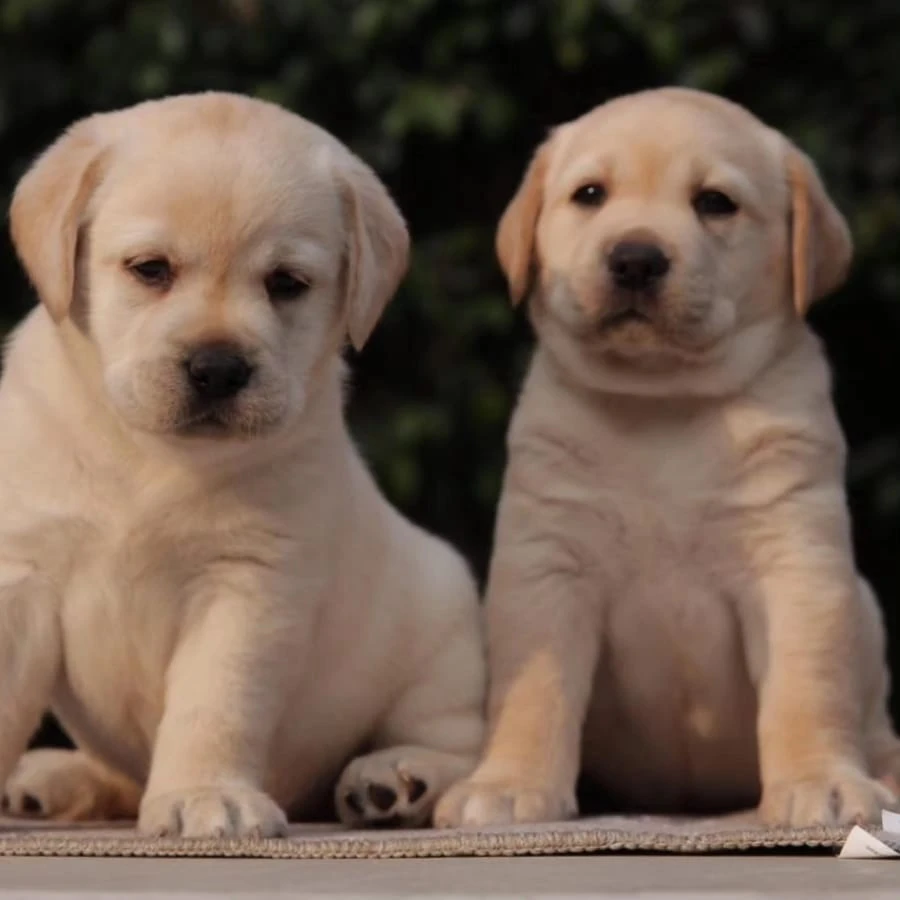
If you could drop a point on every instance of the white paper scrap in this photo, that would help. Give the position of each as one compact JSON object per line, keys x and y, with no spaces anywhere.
{"x":890,"y":821}
{"x":860,"y":844}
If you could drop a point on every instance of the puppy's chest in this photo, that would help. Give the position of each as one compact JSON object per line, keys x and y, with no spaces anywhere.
{"x":123,"y":605}
{"x":146,"y":552}
{"x":658,"y":485}
{"x":125,"y":597}
{"x":138,"y":569}
{"x":656,"y":499}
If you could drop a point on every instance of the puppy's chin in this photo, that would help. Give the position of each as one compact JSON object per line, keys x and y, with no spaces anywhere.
{"x":645,"y":343}
{"x":224,"y":425}
{"x":240,"y":420}
{"x":705,"y":353}
{"x":646,"y":329}
{"x":171,"y":416}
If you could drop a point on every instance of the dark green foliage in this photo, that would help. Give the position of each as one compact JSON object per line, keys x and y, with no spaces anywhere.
{"x":447,"y":99}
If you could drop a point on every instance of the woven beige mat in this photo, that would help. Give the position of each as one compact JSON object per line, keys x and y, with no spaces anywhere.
{"x":733,"y":833}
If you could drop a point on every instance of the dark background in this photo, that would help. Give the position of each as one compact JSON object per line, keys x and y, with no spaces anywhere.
{"x":447,"y":99}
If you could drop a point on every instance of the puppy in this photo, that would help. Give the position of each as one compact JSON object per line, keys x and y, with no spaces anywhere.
{"x":196,"y":570}
{"x":673,"y":605}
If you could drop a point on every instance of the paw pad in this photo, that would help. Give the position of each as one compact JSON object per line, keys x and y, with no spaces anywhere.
{"x":31,"y":805}
{"x":27,"y":805}
{"x":380,"y":804}
{"x":417,"y":789}
{"x":381,"y":797}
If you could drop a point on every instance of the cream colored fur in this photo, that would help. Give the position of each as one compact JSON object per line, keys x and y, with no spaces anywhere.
{"x":673,"y":605}
{"x":221,"y":617}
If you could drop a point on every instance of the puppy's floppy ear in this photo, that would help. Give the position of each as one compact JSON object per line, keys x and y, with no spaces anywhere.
{"x":821,"y":246}
{"x":377,"y":251}
{"x":515,"y":234}
{"x":47,"y":211}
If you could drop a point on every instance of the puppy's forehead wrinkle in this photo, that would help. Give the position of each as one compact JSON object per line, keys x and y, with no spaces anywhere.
{"x":650,"y":163}
{"x":247,"y":164}
{"x":708,"y":133}
{"x":297,"y":221}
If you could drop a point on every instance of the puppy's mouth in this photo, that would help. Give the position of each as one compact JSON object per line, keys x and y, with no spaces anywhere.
{"x":209,"y":420}
{"x":211,"y":423}
{"x":623,"y":317}
{"x":227,"y":422}
{"x":628,"y":309}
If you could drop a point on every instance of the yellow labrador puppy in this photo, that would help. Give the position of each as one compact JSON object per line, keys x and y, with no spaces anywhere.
{"x":673,"y":604}
{"x":196,"y":569}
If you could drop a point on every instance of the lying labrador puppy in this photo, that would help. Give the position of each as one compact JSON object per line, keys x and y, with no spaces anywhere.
{"x":673,"y":605}
{"x":196,"y":569}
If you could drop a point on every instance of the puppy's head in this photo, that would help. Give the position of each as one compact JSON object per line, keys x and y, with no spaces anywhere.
{"x":666,"y":238}
{"x":216,"y":249}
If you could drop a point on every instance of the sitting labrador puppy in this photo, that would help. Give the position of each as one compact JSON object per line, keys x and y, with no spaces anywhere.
{"x":673,"y":605}
{"x":196,"y":570}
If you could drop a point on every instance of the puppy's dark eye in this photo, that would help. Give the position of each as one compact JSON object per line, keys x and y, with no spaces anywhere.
{"x":589,"y":195}
{"x":156,"y":272}
{"x":281,"y":285}
{"x":714,"y":203}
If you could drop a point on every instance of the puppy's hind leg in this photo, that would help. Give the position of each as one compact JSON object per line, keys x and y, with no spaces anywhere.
{"x":430,"y":739}
{"x":69,"y":786}
{"x":30,"y":656}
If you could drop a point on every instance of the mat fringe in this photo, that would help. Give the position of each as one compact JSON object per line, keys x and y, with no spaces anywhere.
{"x":549,"y":840}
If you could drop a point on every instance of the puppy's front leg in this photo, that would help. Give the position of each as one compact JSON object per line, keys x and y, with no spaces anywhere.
{"x":811,"y":706}
{"x":224,"y":693}
{"x":30,"y":656}
{"x":543,"y":642}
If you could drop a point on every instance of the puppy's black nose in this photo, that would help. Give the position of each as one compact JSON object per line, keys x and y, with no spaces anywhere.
{"x":218,"y":371}
{"x":636,"y":265}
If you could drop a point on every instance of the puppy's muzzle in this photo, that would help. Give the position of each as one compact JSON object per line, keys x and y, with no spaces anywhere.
{"x":637,"y":265}
{"x":217,"y":372}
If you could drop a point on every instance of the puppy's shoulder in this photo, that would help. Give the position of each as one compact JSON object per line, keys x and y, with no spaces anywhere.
{"x":797,"y":384}
{"x":400,"y":558}
{"x":787,"y":412}
{"x":436,"y":563}
{"x":41,"y":403}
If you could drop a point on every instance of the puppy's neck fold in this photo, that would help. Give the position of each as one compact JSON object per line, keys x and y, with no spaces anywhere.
{"x":727,"y":372}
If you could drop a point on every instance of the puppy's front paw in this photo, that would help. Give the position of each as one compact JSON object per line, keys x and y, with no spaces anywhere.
{"x":393,"y":787}
{"x":228,"y":810}
{"x":842,"y":797}
{"x":479,"y":802}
